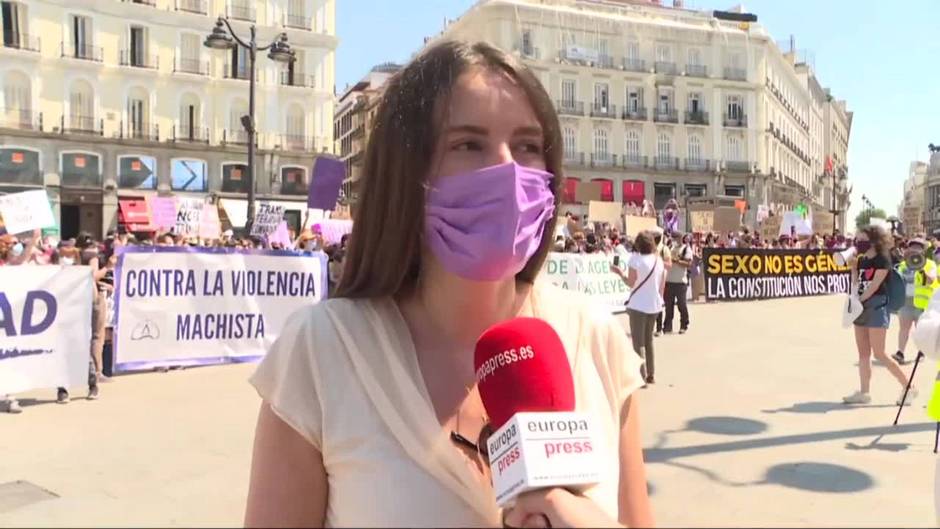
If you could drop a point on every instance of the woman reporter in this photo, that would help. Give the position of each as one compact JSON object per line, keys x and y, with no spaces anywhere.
{"x":364,"y":393}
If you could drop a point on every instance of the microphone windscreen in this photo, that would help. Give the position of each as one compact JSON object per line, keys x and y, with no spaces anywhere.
{"x":521,"y":366}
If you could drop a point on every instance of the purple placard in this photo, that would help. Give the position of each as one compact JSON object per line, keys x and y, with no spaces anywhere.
{"x":124,"y":367}
{"x":328,"y":175}
{"x":162,"y":211}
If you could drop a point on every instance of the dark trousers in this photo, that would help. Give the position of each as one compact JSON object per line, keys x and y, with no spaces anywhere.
{"x":675,"y":295}
{"x":641,"y":334}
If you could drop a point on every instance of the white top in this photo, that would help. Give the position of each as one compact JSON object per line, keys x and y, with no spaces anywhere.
{"x":646,"y":297}
{"x":344,"y":375}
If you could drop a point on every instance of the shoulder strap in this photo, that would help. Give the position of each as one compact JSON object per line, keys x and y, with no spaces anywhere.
{"x":645,"y":279}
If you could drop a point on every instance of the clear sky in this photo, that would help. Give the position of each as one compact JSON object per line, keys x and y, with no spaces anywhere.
{"x":883,"y":57}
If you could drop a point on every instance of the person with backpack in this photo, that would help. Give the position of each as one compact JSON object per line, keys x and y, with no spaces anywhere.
{"x":876,"y":284}
{"x":920,"y":280}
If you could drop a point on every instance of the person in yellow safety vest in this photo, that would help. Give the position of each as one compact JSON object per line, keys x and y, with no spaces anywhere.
{"x":927,"y":339}
{"x":920,"y":276}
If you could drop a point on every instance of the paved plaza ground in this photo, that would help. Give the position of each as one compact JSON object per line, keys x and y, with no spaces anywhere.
{"x":745,"y":427}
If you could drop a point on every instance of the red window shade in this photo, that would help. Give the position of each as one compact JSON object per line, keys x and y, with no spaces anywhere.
{"x":570,"y":190}
{"x":634,"y":191}
{"x":607,"y":189}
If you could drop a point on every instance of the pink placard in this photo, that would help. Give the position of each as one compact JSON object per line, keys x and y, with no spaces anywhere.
{"x":209,"y":225}
{"x":162,"y":211}
{"x":281,"y":235}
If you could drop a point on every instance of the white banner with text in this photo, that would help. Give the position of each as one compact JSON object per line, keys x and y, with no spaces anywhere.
{"x":589,"y":274}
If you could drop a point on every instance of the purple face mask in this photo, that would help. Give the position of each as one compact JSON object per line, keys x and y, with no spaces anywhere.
{"x":485,"y":225}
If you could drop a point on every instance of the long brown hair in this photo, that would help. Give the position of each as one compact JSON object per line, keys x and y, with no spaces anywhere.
{"x":880,"y":240}
{"x":384,"y":252}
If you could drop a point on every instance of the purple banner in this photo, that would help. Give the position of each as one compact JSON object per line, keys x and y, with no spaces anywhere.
{"x":328,"y":175}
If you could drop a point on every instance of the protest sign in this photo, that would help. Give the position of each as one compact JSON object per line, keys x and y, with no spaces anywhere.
{"x":604,"y":212}
{"x":26,"y":211}
{"x":266,"y":219}
{"x":45,"y":327}
{"x":162,"y":212}
{"x":328,"y":176}
{"x":793,"y":221}
{"x":281,"y":235}
{"x":702,"y":221}
{"x":727,"y":219}
{"x":744,"y":274}
{"x":188,"y":217}
{"x":824,"y":222}
{"x":587,"y":191}
{"x":209,"y":225}
{"x":178,"y":306}
{"x":589,"y":274}
{"x":634,"y":225}
{"x":770,"y":228}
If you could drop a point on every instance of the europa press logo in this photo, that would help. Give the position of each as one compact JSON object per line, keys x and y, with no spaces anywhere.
{"x":145,"y":330}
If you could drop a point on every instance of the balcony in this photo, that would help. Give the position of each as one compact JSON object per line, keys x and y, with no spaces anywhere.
{"x":234,"y":137}
{"x":297,"y":143}
{"x":240,"y":74}
{"x":191,"y":66}
{"x":738,"y":167}
{"x":635,"y":114}
{"x":140,"y":131}
{"x":634,"y":65}
{"x":297,"y":21}
{"x":735,"y":74}
{"x":529,"y":51}
{"x":603,"y":111}
{"x":151,"y":3}
{"x":199,"y":7}
{"x":666,"y":68}
{"x":299,"y":79}
{"x":697,"y":165}
{"x":603,"y":159}
{"x":574,"y":158}
{"x":83,"y":52}
{"x":605,"y":61}
{"x":633,"y":160}
{"x":240,"y":11}
{"x":570,"y":108}
{"x":666,"y":163}
{"x":20,"y":119}
{"x":81,"y":125}
{"x":190,"y":134}
{"x":696,"y":70}
{"x":21,"y":41}
{"x":738,"y":120}
{"x":696,"y":118}
{"x":139,"y":60}
{"x":666,"y":115}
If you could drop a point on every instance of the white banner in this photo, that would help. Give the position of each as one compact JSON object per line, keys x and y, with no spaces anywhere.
{"x":26,"y":211}
{"x":179,"y":306}
{"x":590,"y":274}
{"x":45,"y":327}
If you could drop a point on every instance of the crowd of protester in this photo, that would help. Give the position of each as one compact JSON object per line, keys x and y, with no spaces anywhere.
{"x":36,"y":250}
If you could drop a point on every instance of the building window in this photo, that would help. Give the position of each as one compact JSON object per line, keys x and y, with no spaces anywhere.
{"x":735,"y":107}
{"x":188,"y":175}
{"x":663,"y":193}
{"x":190,"y":117}
{"x":569,"y":92}
{"x":695,"y":103}
{"x":137,"y":172}
{"x":664,"y":103}
{"x":234,"y":178}
{"x":569,"y":139}
{"x":20,"y":166}
{"x":236,"y":132}
{"x":695,"y":150}
{"x":663,"y":148}
{"x":601,"y":148}
{"x":81,"y":169}
{"x":570,"y":190}
{"x":733,"y":149}
{"x":295,"y":128}
{"x":633,"y":51}
{"x":663,"y":53}
{"x":81,"y":40}
{"x":695,"y":57}
{"x":81,"y":106}
{"x":632,"y":147}
{"x":136,"y":53}
{"x":734,"y":191}
{"x":602,"y":96}
{"x":14,"y":24}
{"x":293,"y":181}
{"x":528,"y":46}
{"x":695,"y":190}
{"x":634,"y":99}
{"x":17,"y":97}
{"x":138,"y":114}
{"x":607,"y":189}
{"x":633,"y":192}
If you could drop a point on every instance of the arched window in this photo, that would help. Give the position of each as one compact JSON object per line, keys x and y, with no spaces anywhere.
{"x":190,"y":126}
{"x":81,"y":107}
{"x":137,"y":122}
{"x":601,"y":147}
{"x":236,"y":132}
{"x":17,"y":100}
{"x":663,"y":149}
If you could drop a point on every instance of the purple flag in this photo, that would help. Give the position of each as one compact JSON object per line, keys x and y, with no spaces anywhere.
{"x":328,"y":175}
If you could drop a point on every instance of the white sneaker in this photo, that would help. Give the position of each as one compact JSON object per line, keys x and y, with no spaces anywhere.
{"x":911,"y":395}
{"x":13,"y":406}
{"x":857,"y":398}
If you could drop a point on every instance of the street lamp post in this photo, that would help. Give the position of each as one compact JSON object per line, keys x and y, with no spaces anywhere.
{"x":279,"y":51}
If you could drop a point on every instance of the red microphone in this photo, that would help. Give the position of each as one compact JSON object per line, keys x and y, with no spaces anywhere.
{"x":526,"y":386}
